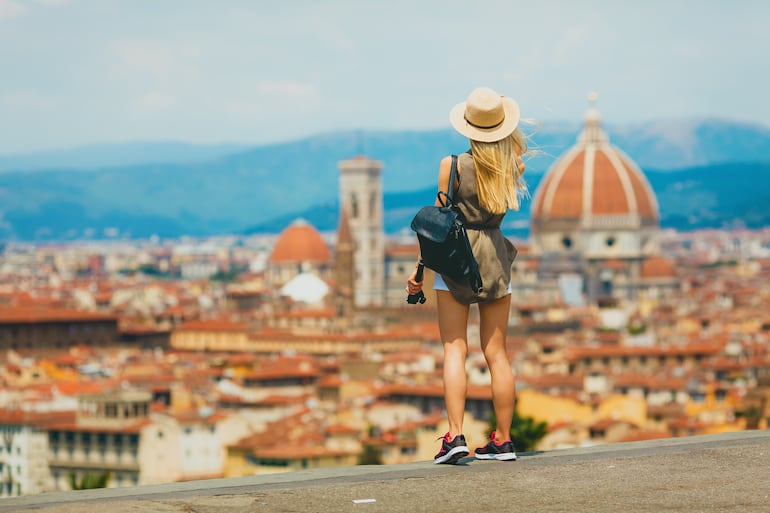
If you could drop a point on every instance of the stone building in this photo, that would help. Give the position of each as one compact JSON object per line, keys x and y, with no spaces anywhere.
{"x":24,"y":452}
{"x":361,"y":203}
{"x":594,"y":224}
{"x":41,"y":329}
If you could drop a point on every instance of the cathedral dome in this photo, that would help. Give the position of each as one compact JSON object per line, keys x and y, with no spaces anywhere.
{"x":298,"y":243}
{"x":594,"y":184}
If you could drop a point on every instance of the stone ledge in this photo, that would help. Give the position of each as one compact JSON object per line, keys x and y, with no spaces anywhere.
{"x":702,"y":473}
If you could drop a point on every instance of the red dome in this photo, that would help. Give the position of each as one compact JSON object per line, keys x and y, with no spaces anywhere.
{"x":300,"y":242}
{"x":594,"y":180}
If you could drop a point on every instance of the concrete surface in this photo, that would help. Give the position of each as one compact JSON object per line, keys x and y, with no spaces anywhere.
{"x":727,"y":472}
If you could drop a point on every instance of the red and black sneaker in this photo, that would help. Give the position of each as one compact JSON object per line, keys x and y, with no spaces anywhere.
{"x":451,"y":450}
{"x":492,"y":451}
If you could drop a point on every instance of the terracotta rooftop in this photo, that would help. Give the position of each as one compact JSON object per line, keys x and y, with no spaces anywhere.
{"x":33,"y":314}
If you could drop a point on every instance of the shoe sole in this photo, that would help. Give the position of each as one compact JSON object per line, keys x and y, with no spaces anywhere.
{"x":453,"y":455}
{"x":508,"y":456}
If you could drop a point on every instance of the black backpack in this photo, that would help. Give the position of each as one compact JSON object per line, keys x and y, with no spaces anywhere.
{"x":444,"y":245}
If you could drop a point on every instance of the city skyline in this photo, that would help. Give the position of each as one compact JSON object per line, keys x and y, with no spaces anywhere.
{"x":80,"y":72}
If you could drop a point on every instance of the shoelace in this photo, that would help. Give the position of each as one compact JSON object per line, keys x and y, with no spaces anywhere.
{"x":445,"y":437}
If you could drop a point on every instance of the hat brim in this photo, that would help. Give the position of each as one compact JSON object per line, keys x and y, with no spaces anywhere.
{"x":496,"y":133}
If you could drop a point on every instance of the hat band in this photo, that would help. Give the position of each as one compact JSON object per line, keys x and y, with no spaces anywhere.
{"x":482,"y":126}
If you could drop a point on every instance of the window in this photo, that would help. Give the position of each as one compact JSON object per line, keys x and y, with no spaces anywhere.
{"x":610,"y":241}
{"x":373,"y":205}
{"x":566,"y":242}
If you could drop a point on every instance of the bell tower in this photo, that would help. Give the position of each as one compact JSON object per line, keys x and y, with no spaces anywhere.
{"x":361,"y":202}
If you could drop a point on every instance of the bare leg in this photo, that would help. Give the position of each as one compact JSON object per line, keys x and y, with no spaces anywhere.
{"x":453,"y":325}
{"x":493,"y":330}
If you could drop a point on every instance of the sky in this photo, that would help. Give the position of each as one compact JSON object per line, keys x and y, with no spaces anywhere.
{"x":82,"y":72}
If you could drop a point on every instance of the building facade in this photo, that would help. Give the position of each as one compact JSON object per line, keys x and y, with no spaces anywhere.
{"x":23,"y":454}
{"x":40,"y":328}
{"x":594,"y":221}
{"x":361,"y":198}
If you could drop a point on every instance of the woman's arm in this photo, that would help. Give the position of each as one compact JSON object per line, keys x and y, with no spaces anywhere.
{"x":445,"y":167}
{"x":443,"y":176}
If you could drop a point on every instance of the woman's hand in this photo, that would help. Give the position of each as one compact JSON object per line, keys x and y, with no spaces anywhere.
{"x":412,"y":286}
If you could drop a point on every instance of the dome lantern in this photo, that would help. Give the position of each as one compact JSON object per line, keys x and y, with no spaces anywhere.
{"x":592,"y":132}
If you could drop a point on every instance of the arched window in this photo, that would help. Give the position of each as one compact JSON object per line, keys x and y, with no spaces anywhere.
{"x":373,"y":205}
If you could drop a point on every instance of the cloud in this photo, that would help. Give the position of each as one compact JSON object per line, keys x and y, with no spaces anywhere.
{"x":25,"y":101}
{"x":154,"y":102}
{"x":53,"y":3}
{"x":157,"y":59}
{"x":143,"y":56}
{"x":10,"y":9}
{"x":272,"y":99}
{"x":287,"y":89}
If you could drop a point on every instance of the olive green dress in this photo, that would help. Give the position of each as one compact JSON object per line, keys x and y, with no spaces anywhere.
{"x":493,"y":251}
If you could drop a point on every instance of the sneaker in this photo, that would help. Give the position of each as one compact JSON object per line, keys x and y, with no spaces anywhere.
{"x":503,"y":452}
{"x":451,"y":450}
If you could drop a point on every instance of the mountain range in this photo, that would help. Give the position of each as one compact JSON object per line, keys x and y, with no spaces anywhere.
{"x":706,"y":174}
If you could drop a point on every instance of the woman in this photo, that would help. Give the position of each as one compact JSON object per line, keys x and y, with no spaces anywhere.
{"x":488,"y":185}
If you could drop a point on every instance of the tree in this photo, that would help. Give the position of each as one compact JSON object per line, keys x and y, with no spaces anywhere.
{"x":370,"y":455}
{"x":525,"y":431}
{"x":89,"y":480}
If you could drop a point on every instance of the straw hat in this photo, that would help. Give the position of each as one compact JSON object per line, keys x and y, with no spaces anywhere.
{"x":485,"y":116}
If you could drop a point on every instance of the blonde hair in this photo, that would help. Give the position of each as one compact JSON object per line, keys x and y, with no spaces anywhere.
{"x":499,"y":179}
